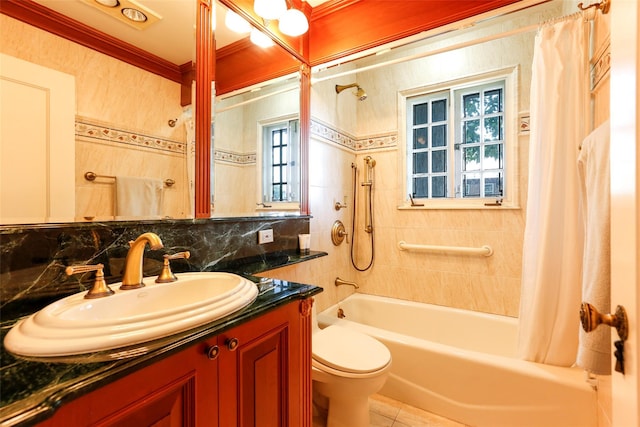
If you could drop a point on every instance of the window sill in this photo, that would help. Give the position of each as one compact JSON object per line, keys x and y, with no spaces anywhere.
{"x":457,"y":205}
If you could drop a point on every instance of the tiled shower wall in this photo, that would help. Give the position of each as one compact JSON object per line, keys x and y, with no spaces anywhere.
{"x":345,"y":130}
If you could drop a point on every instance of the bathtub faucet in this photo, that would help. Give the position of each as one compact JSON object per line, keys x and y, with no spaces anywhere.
{"x":339,"y":282}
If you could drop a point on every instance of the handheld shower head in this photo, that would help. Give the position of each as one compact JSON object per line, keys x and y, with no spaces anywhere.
{"x":360,"y":93}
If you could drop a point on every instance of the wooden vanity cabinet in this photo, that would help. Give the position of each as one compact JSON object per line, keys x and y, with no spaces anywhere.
{"x":256,"y":374}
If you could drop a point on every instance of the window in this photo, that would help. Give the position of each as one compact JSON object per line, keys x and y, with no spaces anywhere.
{"x":456,"y":141}
{"x":280,"y":170}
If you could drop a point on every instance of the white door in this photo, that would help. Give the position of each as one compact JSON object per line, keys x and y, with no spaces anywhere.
{"x":37,"y":143}
{"x":625,"y":209}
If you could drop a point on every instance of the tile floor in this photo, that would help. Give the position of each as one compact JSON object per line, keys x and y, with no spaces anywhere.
{"x":386,"y":412}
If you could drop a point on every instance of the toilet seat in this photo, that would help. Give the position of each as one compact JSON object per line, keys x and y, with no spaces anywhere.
{"x":343,"y":351}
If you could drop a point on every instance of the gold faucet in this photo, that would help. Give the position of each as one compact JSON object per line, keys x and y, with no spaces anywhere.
{"x":132,"y":278}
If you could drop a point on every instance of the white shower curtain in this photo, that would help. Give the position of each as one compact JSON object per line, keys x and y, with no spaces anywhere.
{"x":553,"y":238}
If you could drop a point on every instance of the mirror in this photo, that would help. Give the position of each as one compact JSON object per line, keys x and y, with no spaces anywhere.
{"x":128,"y":121}
{"x":256,"y":149}
{"x":246,"y":180}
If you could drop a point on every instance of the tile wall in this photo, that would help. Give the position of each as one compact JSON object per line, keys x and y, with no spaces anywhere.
{"x":122,"y":112}
{"x":345,"y":130}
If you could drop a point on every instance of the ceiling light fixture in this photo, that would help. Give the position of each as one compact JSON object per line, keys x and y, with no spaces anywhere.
{"x":236,"y":23}
{"x":134,"y":14}
{"x":109,"y":3}
{"x":259,"y":38}
{"x":292,"y":22}
{"x":129,"y":12}
{"x":270,"y":9}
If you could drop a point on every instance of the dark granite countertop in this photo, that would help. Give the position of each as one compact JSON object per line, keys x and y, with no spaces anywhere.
{"x":32,"y":390}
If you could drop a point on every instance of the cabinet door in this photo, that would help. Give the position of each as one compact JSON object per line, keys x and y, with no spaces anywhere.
{"x":260,"y":380}
{"x":162,"y":394}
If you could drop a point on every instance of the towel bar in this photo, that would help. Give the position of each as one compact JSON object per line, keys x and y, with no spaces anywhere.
{"x":91,"y":176}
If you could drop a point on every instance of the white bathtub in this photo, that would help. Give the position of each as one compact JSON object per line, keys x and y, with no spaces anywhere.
{"x":461,"y":364}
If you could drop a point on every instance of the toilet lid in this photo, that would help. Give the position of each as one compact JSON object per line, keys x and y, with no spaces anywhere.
{"x":347,"y":350}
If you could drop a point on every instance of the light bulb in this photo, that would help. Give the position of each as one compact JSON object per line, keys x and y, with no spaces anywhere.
{"x":259,"y":38}
{"x":270,"y":9}
{"x":293,"y":23}
{"x":236,"y":23}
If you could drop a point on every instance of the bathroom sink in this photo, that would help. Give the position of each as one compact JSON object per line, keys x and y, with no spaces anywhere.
{"x":75,"y":325}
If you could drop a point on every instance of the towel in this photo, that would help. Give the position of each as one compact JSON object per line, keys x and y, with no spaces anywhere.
{"x":594,"y":350}
{"x":138,"y":198}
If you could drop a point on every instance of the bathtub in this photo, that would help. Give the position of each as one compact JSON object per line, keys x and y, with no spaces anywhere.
{"x":461,"y":365}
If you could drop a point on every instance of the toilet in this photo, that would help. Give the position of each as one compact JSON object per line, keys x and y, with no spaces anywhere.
{"x":347,"y":368}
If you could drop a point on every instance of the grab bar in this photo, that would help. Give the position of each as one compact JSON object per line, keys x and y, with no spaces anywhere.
{"x":485,"y":250}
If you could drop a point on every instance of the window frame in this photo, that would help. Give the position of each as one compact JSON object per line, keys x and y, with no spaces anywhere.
{"x":510,"y":198}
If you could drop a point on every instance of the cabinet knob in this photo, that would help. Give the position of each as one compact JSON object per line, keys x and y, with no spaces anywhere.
{"x":212,"y":352}
{"x":231,"y":343}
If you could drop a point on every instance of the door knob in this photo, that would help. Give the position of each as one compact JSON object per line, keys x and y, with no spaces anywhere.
{"x":591,"y":318}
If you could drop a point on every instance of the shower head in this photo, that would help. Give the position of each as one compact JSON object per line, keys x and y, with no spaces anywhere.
{"x":360,"y":93}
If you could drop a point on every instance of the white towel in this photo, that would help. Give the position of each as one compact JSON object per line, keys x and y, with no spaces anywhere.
{"x":138,"y":198}
{"x":594,"y":350}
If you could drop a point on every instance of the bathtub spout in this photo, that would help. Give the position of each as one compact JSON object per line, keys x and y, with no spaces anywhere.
{"x":339,"y":282}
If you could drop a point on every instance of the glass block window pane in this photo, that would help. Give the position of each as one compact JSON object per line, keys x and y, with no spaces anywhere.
{"x":493,"y":156}
{"x":421,"y":162}
{"x":420,"y":112}
{"x":493,"y":128}
{"x":439,"y":136}
{"x":439,"y":110}
{"x":438,"y":161}
{"x":439,"y":186}
{"x":471,"y":132}
{"x":493,"y":184}
{"x":471,"y":158}
{"x":471,"y":105}
{"x":276,"y":155}
{"x":420,"y":187}
{"x":471,"y":185}
{"x":493,"y":101}
{"x":277,"y":192}
{"x":420,"y":138}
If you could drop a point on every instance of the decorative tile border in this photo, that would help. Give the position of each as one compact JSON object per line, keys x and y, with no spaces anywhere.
{"x":378,"y":141}
{"x":327,"y":133}
{"x":241,"y":159}
{"x":93,"y":130}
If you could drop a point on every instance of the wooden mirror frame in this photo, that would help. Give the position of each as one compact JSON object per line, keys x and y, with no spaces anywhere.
{"x":205,"y":74}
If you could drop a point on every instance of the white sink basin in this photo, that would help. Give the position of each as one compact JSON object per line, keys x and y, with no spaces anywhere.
{"x":75,"y":325}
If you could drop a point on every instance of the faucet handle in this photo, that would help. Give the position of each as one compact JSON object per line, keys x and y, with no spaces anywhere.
{"x":99,"y":288}
{"x":166,"y":275}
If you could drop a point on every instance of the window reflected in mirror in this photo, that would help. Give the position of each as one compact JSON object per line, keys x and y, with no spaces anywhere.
{"x":257,"y":149}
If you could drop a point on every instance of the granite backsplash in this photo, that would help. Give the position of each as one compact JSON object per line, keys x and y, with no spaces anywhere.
{"x":33,"y":258}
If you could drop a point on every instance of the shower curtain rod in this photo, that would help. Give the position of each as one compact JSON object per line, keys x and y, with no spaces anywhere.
{"x":529,"y":28}
{"x":258,"y":98}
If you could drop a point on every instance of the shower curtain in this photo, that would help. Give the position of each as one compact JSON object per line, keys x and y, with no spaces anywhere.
{"x":553,"y":238}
